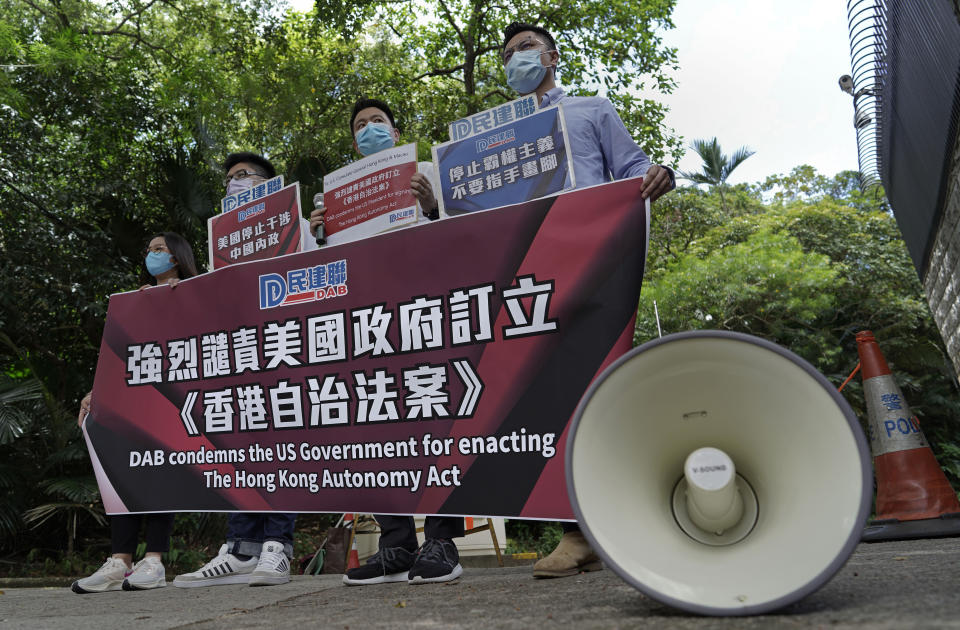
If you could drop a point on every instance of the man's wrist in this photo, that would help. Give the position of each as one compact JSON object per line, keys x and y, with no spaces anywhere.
{"x":673,"y":177}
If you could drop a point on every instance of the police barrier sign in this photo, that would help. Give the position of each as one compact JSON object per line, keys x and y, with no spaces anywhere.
{"x":516,"y":162}
{"x":336,"y":381}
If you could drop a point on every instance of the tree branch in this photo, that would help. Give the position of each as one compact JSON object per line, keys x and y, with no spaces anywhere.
{"x":125,"y":19}
{"x":493,"y":92}
{"x":437,"y":73}
{"x":33,"y":202}
{"x":453,"y":22}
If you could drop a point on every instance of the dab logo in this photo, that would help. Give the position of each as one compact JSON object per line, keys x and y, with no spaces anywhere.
{"x":495,"y":140}
{"x":307,"y":284}
{"x":400,"y":216}
{"x":252,"y":211}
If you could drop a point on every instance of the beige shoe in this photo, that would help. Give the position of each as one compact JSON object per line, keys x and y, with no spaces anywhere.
{"x":573,"y":555}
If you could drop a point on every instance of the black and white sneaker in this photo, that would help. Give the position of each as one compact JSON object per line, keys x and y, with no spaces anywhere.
{"x":224,"y":569}
{"x":437,"y":561}
{"x":273,"y":567}
{"x":387,"y":565}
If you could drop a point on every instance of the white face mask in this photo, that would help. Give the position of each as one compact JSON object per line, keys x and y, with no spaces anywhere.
{"x":236,"y":185}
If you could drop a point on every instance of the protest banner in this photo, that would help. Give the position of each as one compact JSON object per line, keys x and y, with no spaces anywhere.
{"x":488,"y":119}
{"x":336,"y":380}
{"x":371,"y":195}
{"x":242,"y":198}
{"x":259,"y":229}
{"x":525,"y":160}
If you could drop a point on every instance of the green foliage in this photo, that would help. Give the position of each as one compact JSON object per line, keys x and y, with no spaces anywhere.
{"x":14,"y":419}
{"x":766,"y":285}
{"x":541,"y":537}
{"x":717,"y":166}
{"x":610,"y":47}
{"x":115,"y":118}
{"x":808,"y":268}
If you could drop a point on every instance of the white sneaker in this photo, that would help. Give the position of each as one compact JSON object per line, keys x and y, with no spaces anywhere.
{"x":224,"y":569}
{"x":109,"y":577}
{"x":273,"y":568}
{"x":148,"y":573}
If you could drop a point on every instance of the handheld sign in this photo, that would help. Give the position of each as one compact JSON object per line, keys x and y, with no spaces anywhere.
{"x":487,"y":120}
{"x":261,"y":190}
{"x":263,"y":228}
{"x":371,"y":195}
{"x":517,"y":162}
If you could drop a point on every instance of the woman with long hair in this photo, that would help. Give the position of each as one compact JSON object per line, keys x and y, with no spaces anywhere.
{"x":168,"y":260}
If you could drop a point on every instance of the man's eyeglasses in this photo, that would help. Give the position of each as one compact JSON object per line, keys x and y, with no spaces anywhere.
{"x":527,"y":44}
{"x":241,"y":174}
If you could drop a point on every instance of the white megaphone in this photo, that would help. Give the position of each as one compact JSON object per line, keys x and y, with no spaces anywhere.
{"x":719,"y":473}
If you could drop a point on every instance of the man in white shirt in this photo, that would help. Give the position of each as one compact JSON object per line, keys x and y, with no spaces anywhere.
{"x":374,"y":129}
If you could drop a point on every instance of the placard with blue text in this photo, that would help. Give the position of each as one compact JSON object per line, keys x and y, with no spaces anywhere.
{"x":254,"y":193}
{"x":524,"y":160}
{"x":487,"y":120}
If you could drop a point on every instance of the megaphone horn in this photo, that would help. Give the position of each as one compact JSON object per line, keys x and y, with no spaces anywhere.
{"x":742,"y":474}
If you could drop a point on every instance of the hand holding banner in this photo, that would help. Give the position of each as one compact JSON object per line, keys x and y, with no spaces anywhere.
{"x":330,"y":381}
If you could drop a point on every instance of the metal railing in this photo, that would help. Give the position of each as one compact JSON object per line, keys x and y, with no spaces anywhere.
{"x":867,"y":24}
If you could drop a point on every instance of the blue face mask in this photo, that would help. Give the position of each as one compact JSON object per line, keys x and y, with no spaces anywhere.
{"x":373,"y":138}
{"x":524,"y":71}
{"x":159,"y":262}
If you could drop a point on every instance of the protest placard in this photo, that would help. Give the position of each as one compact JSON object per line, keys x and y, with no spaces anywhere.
{"x":371,"y":195}
{"x":263,"y":228}
{"x":487,"y":120}
{"x":336,"y":381}
{"x":242,"y":198}
{"x":524,"y":160}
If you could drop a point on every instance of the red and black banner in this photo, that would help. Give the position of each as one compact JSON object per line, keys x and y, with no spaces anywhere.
{"x":432,"y":370}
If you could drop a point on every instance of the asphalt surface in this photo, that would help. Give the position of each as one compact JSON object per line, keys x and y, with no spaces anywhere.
{"x":911,"y":584}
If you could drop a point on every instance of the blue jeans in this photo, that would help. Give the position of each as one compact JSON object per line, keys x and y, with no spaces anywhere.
{"x":246,"y":533}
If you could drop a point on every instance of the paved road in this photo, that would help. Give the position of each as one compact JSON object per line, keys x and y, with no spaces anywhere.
{"x":914,"y":584}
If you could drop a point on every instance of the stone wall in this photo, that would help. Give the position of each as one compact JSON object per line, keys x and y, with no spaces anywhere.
{"x":942,"y":280}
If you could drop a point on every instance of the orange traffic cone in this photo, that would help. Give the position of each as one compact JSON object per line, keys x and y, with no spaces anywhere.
{"x":353,"y":560}
{"x":914,"y":498}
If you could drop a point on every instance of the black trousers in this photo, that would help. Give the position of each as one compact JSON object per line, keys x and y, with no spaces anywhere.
{"x":125,"y":532}
{"x":400,"y":531}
